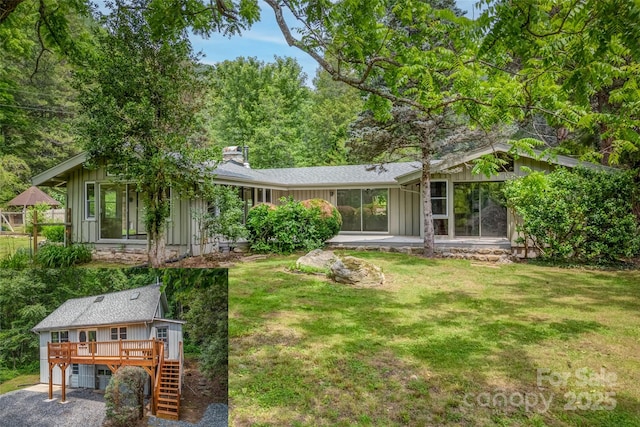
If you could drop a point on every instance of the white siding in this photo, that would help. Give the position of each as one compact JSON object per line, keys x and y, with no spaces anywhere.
{"x":174,"y":337}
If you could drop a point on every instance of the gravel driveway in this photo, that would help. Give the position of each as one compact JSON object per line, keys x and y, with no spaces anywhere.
{"x":84,"y":408}
{"x":26,"y":408}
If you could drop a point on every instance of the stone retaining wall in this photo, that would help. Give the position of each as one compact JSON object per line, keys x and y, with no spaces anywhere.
{"x":474,"y":254}
{"x":137,"y":256}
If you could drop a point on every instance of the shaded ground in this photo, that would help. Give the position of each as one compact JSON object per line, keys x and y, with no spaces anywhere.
{"x":199,"y":392}
{"x":441,"y":343}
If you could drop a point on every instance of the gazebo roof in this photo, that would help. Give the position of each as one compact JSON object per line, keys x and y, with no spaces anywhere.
{"x":31,"y":197}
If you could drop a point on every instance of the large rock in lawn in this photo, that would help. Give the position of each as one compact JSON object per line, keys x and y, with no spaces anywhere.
{"x":317,"y":259}
{"x":356,"y":271}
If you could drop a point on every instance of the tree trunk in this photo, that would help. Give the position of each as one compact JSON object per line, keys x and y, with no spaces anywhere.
{"x":157,"y":249}
{"x":156,"y":237}
{"x":429,"y":234}
{"x":6,"y":7}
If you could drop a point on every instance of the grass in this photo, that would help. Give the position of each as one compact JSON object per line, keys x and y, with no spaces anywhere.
{"x":9,"y":244}
{"x":443,"y":342}
{"x":19,"y":382}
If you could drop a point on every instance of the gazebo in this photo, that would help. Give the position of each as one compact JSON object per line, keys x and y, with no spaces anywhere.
{"x":30,"y":197}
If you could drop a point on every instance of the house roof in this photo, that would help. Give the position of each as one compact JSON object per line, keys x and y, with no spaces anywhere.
{"x":137,"y":305}
{"x":317,"y":175}
{"x":455,"y":160}
{"x":31,"y":197}
{"x":57,"y":174}
{"x":392,"y":174}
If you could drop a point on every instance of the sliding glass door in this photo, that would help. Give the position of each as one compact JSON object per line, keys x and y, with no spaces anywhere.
{"x":479,"y":209}
{"x":364,"y":210}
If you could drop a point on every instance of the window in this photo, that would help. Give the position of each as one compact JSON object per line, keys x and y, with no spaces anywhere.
{"x":480,"y":209}
{"x":59,"y":336}
{"x":104,"y":372}
{"x":90,"y":200}
{"x":161,"y":334}
{"x":75,"y":369}
{"x":439,"y":207}
{"x":364,"y":210}
{"x":121,"y":212}
{"x":119,"y":333}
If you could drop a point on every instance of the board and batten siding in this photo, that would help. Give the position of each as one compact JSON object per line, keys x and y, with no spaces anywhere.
{"x":179,"y":227}
{"x":174,"y":336}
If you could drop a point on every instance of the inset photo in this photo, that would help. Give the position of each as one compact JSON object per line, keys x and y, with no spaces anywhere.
{"x":113,"y":347}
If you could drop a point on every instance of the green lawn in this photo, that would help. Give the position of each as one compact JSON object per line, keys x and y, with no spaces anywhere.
{"x":9,"y":244}
{"x":19,"y":382}
{"x":443,"y":342}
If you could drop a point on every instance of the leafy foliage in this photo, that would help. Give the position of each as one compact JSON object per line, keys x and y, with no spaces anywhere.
{"x":53,"y":233}
{"x":582,"y":214}
{"x":200,"y":296}
{"x":223,"y":218}
{"x":124,"y":397}
{"x":40,"y":210}
{"x":52,"y":255}
{"x":292,"y":226}
{"x":141,"y":93}
{"x":591,"y":87}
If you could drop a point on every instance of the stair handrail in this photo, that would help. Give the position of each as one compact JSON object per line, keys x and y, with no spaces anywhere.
{"x":156,"y":391}
{"x":181,"y":372}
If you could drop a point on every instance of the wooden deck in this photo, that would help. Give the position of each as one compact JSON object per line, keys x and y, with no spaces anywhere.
{"x":166,"y":381}
{"x":111,"y":353}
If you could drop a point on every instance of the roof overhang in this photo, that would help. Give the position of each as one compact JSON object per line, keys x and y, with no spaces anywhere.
{"x":57,"y":175}
{"x":456,"y":160}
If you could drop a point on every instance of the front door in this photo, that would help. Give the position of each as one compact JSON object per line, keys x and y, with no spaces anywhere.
{"x":87,"y":340}
{"x":162,"y":335}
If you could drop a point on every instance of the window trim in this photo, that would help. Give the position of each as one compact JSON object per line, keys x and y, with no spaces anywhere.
{"x":120,"y":331}
{"x":87,"y":215}
{"x":59,"y":338}
{"x":445,"y":198}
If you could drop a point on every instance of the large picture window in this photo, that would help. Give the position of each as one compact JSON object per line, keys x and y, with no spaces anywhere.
{"x":480,"y":209}
{"x":364,"y":210}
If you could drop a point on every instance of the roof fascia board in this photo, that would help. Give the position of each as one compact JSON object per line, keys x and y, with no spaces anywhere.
{"x":60,"y":169}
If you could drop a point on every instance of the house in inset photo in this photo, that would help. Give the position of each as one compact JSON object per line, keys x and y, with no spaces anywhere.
{"x":85,"y":340}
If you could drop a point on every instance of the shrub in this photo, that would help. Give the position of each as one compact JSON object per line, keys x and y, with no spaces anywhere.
{"x":53,"y":233}
{"x":582,"y":214}
{"x":42,"y":209}
{"x":53,"y":255}
{"x":292,"y":226}
{"x":124,"y":397}
{"x":21,"y":258}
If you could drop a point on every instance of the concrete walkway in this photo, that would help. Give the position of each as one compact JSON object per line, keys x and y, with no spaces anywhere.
{"x":351,"y":240}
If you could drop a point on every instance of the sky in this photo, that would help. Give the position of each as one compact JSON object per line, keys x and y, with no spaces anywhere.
{"x":264,"y":41}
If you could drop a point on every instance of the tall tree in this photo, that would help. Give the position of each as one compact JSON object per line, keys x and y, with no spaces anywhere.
{"x":579,"y":58}
{"x":37,"y":103}
{"x":261,"y":105}
{"x":410,"y":58}
{"x":333,"y":107}
{"x":141,"y":95}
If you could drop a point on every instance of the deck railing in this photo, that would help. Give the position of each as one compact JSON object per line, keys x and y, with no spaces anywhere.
{"x":96,"y":351}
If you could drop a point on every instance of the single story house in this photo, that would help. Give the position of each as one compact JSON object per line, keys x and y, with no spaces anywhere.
{"x":388,"y":202}
{"x":97,"y":335}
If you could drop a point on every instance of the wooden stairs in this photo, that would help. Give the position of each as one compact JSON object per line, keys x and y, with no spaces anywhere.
{"x":168,"y":397}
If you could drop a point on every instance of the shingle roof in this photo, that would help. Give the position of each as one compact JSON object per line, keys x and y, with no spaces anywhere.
{"x":114,"y":308}
{"x":31,"y":197}
{"x":318,"y":175}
